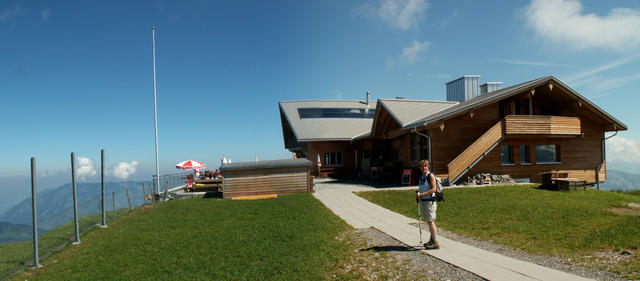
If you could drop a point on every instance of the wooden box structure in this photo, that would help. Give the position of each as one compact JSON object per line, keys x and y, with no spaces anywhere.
{"x":266,"y":177}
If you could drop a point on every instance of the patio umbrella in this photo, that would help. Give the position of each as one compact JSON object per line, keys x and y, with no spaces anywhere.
{"x":190,"y":164}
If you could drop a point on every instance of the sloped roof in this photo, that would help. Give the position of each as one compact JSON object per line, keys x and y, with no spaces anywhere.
{"x":327,"y":129}
{"x":502,"y":94}
{"x":406,"y":112}
{"x":300,"y":162}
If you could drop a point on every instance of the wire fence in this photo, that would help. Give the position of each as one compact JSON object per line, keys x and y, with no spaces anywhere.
{"x":56,"y":227}
{"x":169,"y":181}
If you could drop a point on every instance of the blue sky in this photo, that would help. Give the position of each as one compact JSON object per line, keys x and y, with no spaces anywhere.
{"x":76,"y":76}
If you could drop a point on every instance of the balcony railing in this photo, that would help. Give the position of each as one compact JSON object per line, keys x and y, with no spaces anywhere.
{"x":541,"y":125}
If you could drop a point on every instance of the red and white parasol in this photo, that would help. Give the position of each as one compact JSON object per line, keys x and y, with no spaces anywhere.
{"x":190,"y":164}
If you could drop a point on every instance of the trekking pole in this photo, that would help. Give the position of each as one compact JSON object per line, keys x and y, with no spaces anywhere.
{"x":419,"y":213}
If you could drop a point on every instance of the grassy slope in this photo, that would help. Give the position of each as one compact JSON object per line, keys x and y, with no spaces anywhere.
{"x":291,"y":237}
{"x":14,"y":255}
{"x":534,"y":220}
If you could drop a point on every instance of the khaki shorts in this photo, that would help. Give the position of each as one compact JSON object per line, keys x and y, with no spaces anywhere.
{"x":429,"y":209}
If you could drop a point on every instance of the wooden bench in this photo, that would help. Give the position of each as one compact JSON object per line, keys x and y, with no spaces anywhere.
{"x":562,"y":181}
{"x":207,"y":185}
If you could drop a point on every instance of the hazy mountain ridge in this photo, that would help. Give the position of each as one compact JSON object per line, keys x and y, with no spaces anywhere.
{"x":55,"y":206}
{"x":621,"y":181}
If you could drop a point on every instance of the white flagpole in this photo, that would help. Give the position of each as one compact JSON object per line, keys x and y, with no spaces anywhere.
{"x":155,"y":108}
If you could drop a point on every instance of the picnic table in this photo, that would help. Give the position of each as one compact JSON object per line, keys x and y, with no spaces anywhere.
{"x":561,"y":180}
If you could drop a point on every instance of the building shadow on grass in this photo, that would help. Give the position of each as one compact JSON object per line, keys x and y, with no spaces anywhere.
{"x":389,"y":249}
{"x":212,"y":194}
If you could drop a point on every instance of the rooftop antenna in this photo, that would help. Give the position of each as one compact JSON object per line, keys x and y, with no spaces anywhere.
{"x":155,"y":107}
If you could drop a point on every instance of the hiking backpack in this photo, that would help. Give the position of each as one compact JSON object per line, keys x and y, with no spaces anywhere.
{"x":439,"y":194}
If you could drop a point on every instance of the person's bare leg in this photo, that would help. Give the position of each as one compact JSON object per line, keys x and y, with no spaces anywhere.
{"x":433,"y":230}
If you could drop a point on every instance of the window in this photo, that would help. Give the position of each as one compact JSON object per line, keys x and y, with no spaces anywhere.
{"x":424,"y":146}
{"x":419,"y":147}
{"x":333,"y":158}
{"x":394,"y":155}
{"x":307,"y":113}
{"x":547,"y":153}
{"x":365,"y":155}
{"x":415,"y":147}
{"x":525,"y":156}
{"x":506,"y":155}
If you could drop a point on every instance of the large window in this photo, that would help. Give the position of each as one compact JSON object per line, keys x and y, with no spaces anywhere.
{"x":419,"y":147}
{"x":525,"y":154}
{"x":506,"y":155}
{"x":547,"y":153}
{"x":333,"y":158}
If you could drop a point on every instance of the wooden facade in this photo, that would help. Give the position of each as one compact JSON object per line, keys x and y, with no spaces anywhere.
{"x":470,"y":141}
{"x":258,"y":179}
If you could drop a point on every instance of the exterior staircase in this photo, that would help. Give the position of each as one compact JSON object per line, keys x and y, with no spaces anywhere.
{"x":512,"y":125}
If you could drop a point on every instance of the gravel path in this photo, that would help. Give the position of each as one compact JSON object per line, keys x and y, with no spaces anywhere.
{"x":378,"y":256}
{"x":562,"y":264}
{"x":419,"y":266}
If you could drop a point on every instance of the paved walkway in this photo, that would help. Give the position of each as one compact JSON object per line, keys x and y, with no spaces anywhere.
{"x":361,"y":213}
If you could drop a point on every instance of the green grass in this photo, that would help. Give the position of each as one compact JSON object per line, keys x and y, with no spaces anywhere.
{"x":14,"y":256}
{"x":290,"y":237}
{"x":531,"y":219}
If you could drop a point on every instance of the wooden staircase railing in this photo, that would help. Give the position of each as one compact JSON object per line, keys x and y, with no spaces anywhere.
{"x":512,"y":125}
{"x":476,"y":151}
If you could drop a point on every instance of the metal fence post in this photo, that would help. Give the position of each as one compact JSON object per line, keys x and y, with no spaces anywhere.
{"x":75,"y":198}
{"x":114,"y":203}
{"x":34,"y":208}
{"x":128,"y":199}
{"x":144,"y":193}
{"x":104,"y":211}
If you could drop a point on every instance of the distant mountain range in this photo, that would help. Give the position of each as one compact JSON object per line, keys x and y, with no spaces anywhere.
{"x":55,"y":206}
{"x":621,"y":181}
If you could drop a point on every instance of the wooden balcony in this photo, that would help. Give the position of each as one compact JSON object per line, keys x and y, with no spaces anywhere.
{"x":541,"y":125}
{"x":512,"y":125}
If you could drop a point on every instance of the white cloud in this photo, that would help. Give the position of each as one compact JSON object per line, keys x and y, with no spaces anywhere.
{"x":617,"y":82}
{"x":123,"y":170}
{"x":564,"y":22}
{"x":45,"y":13}
{"x":413,"y":53}
{"x":601,"y":68}
{"x":403,"y":14}
{"x":84,"y":168}
{"x":623,"y":149}
{"x":531,"y":63}
{"x":9,"y":13}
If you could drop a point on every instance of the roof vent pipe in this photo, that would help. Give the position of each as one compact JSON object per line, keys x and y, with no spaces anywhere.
{"x":368,"y":97}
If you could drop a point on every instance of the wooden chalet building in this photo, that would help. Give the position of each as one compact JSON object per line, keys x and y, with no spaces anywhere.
{"x":523,"y":130}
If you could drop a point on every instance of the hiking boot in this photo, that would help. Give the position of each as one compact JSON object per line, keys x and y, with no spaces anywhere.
{"x":428,"y":243}
{"x":433,"y":246}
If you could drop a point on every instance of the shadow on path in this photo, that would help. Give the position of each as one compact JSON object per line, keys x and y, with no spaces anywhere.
{"x":389,"y":249}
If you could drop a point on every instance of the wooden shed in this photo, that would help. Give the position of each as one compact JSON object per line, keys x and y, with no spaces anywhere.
{"x":266,"y":177}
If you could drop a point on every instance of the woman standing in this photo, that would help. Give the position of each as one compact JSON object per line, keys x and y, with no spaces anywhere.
{"x":427,"y":196}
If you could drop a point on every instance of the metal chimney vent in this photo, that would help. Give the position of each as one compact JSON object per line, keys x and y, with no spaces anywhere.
{"x":463,"y":88}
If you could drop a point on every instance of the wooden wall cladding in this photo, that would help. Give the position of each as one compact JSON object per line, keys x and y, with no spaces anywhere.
{"x":266,"y":181}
